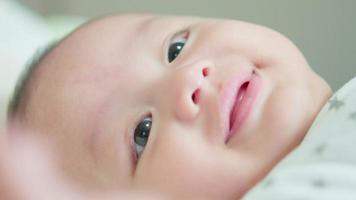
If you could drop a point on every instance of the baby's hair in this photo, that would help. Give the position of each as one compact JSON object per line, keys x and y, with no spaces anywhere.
{"x":19,"y":97}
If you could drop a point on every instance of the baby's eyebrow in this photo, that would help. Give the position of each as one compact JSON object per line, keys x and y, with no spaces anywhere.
{"x":145,"y":24}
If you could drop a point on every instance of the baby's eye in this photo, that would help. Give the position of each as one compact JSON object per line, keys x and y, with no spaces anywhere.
{"x":176,"y":45}
{"x":142,"y":132}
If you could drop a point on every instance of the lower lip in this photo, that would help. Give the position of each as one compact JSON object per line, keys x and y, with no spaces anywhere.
{"x":245,"y":106}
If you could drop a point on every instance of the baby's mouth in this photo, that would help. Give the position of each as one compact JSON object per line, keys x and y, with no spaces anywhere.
{"x":237,"y":100}
{"x":236,"y":106}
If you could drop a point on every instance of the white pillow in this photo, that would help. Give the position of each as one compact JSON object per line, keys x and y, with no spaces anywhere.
{"x":22,"y":32}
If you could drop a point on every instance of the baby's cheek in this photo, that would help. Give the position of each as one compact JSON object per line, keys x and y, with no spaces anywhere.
{"x":184,"y":166}
{"x":284,"y":117}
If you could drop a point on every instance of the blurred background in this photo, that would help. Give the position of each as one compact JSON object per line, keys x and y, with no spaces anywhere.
{"x":324,"y":30}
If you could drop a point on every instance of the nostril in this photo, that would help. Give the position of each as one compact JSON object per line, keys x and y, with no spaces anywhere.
{"x":196,"y":96}
{"x":205,"y":71}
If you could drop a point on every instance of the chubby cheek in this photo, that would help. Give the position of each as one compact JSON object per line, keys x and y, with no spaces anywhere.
{"x":182,"y":164}
{"x":286,"y":119}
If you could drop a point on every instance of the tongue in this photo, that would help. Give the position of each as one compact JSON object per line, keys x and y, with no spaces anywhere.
{"x":238,"y":100}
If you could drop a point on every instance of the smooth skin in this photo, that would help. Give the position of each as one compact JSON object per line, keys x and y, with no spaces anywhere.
{"x":101,"y":81}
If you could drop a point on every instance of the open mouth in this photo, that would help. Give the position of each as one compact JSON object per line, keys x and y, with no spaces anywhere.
{"x":237,"y":100}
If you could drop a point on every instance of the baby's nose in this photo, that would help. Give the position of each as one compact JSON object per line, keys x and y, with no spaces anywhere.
{"x":189,"y":84}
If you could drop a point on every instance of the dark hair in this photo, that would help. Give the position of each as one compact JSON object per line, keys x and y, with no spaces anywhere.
{"x":19,"y":97}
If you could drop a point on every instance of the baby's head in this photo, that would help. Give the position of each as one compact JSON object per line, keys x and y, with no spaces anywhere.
{"x":183,"y":105}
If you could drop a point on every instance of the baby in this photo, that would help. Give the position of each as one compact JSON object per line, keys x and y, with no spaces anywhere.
{"x":186,"y":106}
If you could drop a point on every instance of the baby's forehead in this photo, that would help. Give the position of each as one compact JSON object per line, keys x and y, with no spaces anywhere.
{"x":111,"y":37}
{"x":87,"y":53}
{"x":124,"y":21}
{"x":120,"y":25}
{"x":128,"y":23}
{"x":86,"y":41}
{"x":108,"y":46}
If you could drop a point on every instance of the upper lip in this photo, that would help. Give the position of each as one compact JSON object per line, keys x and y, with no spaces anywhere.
{"x":228,"y":94}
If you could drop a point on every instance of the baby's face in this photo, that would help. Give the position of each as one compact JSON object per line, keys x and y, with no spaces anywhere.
{"x":154,"y":102}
